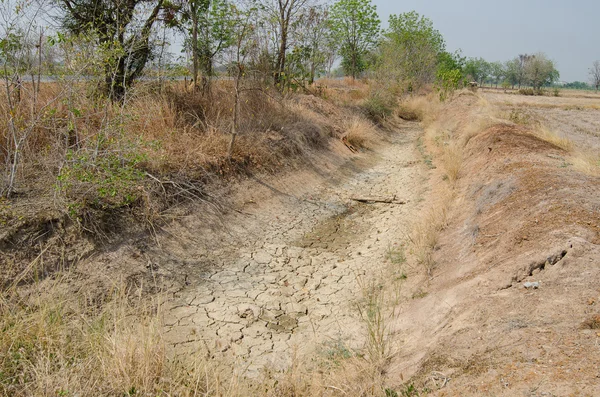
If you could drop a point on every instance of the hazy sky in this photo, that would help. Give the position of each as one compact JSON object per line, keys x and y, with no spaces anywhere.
{"x":567,"y":31}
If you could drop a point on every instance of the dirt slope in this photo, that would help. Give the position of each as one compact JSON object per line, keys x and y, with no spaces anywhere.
{"x":520,"y":216}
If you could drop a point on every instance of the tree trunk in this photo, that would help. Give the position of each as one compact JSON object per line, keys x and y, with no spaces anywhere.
{"x":194,"y":12}
{"x":236,"y":111}
{"x":281,"y":57}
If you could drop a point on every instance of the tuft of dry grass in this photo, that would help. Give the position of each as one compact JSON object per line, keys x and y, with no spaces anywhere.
{"x":425,"y":234}
{"x":419,"y":108}
{"x":360,"y":132}
{"x":554,"y":138}
{"x":592,"y":323}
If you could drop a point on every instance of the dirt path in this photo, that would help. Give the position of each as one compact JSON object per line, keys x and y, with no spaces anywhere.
{"x":290,"y":269}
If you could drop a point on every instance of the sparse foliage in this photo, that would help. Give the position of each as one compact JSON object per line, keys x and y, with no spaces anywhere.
{"x":208,"y":25}
{"x":540,"y":71}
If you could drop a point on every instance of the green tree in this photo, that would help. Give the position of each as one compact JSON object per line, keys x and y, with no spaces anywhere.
{"x":515,"y":70}
{"x":314,"y":37}
{"x":512,"y":72}
{"x":123,"y":33}
{"x":477,"y":69}
{"x":284,"y":17}
{"x":209,"y":26}
{"x":449,"y":75}
{"x":497,"y":72}
{"x":356,"y":25}
{"x":412,"y":49}
{"x":540,"y":71}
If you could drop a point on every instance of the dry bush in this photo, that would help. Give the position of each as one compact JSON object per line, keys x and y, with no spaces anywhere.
{"x":586,"y":162}
{"x":452,"y":159}
{"x":98,"y":154}
{"x":592,"y":323}
{"x":581,"y":158}
{"x":343,"y":92}
{"x":56,"y":343}
{"x":360,"y":132}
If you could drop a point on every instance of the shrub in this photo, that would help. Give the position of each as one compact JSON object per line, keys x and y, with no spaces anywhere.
{"x":378,"y":107}
{"x":526,"y":91}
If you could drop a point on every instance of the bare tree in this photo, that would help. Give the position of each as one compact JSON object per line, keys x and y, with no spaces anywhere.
{"x":241,"y":34}
{"x":595,"y":74}
{"x":20,"y":55}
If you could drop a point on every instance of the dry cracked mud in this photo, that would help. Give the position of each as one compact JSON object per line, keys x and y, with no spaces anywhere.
{"x":289,"y":270}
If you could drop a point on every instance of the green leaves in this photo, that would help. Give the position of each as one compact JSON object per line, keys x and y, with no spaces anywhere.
{"x":410,"y":52}
{"x":356,"y":26}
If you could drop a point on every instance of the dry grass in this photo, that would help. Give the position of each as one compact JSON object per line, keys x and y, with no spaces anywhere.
{"x":592,"y":323}
{"x":360,"y":132}
{"x":582,"y":159}
{"x":56,"y":342}
{"x":419,"y":108}
{"x":343,"y":92}
{"x":446,"y":135}
{"x":91,"y":157}
{"x":426,"y":232}
{"x":554,"y":138}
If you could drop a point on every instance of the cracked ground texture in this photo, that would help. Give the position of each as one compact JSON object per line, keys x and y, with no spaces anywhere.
{"x":289,"y":271}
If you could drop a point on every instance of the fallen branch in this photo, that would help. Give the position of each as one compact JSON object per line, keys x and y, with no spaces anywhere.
{"x":373,"y":200}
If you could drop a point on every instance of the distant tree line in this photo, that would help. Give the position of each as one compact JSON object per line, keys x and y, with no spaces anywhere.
{"x":535,"y":70}
{"x":284,"y":43}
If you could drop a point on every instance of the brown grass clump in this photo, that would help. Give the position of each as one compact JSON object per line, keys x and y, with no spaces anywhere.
{"x":592,"y":323}
{"x":554,"y":138}
{"x":425,"y":235}
{"x":418,"y":108}
{"x":360,"y":133}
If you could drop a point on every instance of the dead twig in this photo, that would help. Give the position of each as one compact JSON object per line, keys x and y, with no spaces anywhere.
{"x":373,"y":200}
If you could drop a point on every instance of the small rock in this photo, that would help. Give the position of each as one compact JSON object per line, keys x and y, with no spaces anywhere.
{"x":248,"y":311}
{"x":532,"y":285}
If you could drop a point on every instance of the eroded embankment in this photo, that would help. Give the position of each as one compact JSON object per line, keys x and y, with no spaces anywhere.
{"x":520,"y":214}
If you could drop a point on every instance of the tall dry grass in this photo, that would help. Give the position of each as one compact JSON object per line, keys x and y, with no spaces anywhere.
{"x":360,"y":132}
{"x":448,"y":130}
{"x":58,"y":342}
{"x":91,"y":157}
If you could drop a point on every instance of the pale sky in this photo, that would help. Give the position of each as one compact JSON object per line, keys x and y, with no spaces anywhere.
{"x":567,"y":31}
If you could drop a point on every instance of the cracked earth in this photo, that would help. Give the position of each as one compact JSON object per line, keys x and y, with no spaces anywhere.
{"x":287,"y":273}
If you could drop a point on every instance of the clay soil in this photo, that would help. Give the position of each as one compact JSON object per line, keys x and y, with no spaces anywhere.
{"x":522,"y":214}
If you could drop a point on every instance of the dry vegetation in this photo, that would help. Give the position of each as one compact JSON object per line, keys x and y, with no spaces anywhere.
{"x":166,"y":147}
{"x":97,"y":166}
